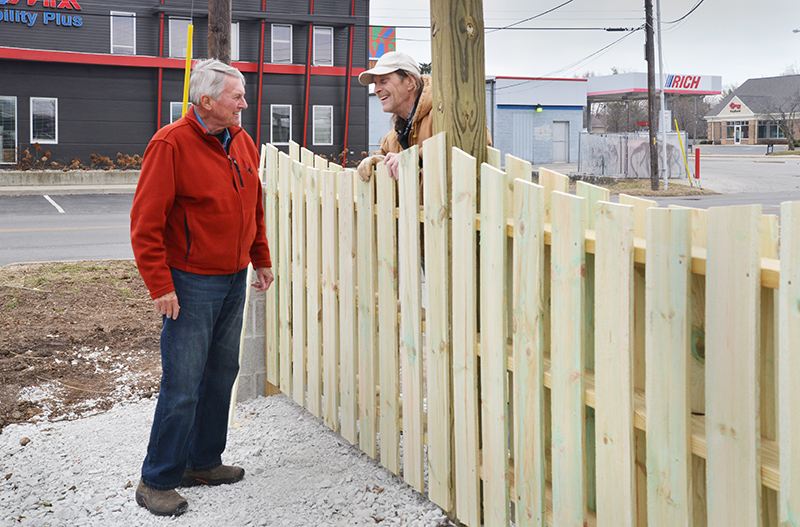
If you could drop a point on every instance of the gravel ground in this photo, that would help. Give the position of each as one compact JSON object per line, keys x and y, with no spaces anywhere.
{"x":299,"y":473}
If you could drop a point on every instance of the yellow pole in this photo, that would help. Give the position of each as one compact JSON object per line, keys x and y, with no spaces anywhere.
{"x":188,"y":69}
{"x":689,"y":174}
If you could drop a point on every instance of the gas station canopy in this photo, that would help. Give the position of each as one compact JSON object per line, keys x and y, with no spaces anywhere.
{"x":633,"y":86}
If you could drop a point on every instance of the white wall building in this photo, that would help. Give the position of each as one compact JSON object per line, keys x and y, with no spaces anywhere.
{"x":536,"y":119}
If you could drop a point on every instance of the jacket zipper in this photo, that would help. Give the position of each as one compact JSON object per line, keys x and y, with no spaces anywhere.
{"x":188,"y":237}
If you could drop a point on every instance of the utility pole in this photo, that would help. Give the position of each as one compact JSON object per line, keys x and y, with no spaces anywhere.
{"x":219,"y":30}
{"x":650,"y":52}
{"x":459,"y":75}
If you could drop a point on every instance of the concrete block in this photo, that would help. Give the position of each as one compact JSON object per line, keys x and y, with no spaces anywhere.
{"x":253,"y":356}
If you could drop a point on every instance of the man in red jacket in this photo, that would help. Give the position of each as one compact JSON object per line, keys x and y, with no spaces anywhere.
{"x":197,"y":223}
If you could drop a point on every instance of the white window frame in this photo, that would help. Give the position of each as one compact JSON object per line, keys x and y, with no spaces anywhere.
{"x":122,"y":49}
{"x":272,"y":108}
{"x":329,"y":109}
{"x":273,"y":40}
{"x":3,"y":160}
{"x":173,"y":106}
{"x":234,"y":41}
{"x":176,"y":32}
{"x":53,"y":141}
{"x":318,"y":61}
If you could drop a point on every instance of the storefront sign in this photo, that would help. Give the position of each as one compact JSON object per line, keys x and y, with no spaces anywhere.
{"x":47,"y":18}
{"x":684,"y":82}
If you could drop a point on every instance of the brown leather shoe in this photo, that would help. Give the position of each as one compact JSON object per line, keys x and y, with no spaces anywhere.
{"x":220,"y":475}
{"x":161,"y":502}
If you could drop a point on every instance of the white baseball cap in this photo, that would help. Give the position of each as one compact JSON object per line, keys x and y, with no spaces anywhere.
{"x":392,"y":61}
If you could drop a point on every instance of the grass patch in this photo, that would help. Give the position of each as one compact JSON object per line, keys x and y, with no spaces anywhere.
{"x":641,"y":187}
{"x":786,"y":153}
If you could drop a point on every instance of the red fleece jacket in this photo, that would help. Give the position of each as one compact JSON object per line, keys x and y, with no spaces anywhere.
{"x":197,"y":208}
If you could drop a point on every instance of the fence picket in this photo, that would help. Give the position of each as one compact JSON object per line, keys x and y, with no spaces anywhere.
{"x":789,"y":359}
{"x":368,"y":357}
{"x":387,"y":320}
{"x":768,"y":382}
{"x":299,"y":282}
{"x":592,"y":194}
{"x":330,"y":301}
{"x":269,"y":177}
{"x":697,"y":302}
{"x":465,"y":358}
{"x":567,"y":355}
{"x":528,"y":271}
{"x":494,"y":355}
{"x":669,"y":484}
{"x":306,"y":157}
{"x":733,"y":432}
{"x":285,"y":270}
{"x":348,"y":325}
{"x":552,"y":182}
{"x":640,"y":207}
{"x":613,"y":373}
{"x":294,"y":151}
{"x":437,"y":322}
{"x":411,"y":319}
{"x":313,"y":291}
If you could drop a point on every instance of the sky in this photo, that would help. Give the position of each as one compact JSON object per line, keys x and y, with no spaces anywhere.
{"x":735,"y":39}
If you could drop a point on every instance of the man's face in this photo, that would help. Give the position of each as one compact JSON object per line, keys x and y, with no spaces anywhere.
{"x":396,"y":94}
{"x":226,"y":111}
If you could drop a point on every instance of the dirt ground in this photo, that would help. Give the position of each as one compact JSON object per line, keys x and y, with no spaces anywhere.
{"x":75,"y":338}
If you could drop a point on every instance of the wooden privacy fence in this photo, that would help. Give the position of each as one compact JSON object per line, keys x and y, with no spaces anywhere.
{"x":626,"y":367}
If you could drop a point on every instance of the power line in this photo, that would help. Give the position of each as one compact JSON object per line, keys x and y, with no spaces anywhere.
{"x":687,"y":14}
{"x":577,"y":62}
{"x":531,"y":18}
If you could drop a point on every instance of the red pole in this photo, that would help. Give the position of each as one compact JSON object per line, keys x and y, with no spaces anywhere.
{"x":696,"y":162}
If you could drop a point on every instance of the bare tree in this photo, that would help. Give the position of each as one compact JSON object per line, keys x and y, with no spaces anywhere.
{"x":787,"y":116}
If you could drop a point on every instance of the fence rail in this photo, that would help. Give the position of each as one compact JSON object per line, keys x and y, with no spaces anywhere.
{"x":562,"y":360}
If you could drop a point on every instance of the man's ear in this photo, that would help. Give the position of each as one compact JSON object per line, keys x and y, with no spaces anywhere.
{"x":206,"y":102}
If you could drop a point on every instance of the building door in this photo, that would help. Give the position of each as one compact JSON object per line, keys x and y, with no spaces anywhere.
{"x":560,"y":141}
{"x":737,"y":134}
{"x":523,"y":136}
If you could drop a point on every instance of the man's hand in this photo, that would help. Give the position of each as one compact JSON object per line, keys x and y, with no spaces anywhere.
{"x":168,"y":305}
{"x":367,"y":165}
{"x":392,"y":162}
{"x":264,"y":279}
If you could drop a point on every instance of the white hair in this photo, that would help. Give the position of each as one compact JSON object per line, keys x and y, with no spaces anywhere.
{"x":208,"y":78}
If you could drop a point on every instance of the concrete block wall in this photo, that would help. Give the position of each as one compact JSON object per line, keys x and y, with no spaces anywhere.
{"x":253,"y":366}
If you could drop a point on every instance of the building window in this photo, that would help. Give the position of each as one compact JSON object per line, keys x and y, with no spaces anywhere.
{"x":44,"y":120}
{"x":323,"y":125}
{"x":770,"y":130}
{"x":323,"y":46}
{"x":123,"y":33}
{"x":176,"y":110}
{"x":8,"y":129}
{"x":281,"y":44}
{"x":235,"y":41}
{"x":178,"y":31}
{"x":281,"y":132}
{"x":744,"y":129}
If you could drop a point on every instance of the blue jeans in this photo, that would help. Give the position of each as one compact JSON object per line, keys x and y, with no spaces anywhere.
{"x":199,"y":362}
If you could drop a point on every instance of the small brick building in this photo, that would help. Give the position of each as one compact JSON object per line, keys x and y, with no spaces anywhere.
{"x":752,"y":114}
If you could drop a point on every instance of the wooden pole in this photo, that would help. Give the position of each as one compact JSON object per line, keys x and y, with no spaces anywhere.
{"x":459,"y":75}
{"x":219,"y":30}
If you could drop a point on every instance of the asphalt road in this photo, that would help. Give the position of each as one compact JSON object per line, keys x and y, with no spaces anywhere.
{"x":64,"y":228}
